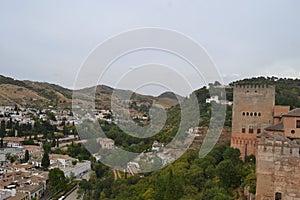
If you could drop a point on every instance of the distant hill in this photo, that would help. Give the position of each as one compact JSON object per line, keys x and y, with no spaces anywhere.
{"x":32,"y":93}
{"x":39,"y":94}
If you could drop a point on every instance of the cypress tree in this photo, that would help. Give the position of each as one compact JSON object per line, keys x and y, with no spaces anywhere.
{"x":45,"y":160}
{"x":26,"y":156}
{"x":65,"y":131}
{"x":2,"y":129}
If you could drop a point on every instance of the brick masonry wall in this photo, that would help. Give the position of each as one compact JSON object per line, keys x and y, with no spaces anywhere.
{"x":252,"y":109}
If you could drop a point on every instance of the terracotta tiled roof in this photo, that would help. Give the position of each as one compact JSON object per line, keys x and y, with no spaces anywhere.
{"x":275,"y":138}
{"x":276,"y":127}
{"x":293,"y":113}
{"x":14,"y":139}
{"x":18,"y":196}
{"x":37,"y":153}
{"x":31,"y":147}
{"x":59,"y":156}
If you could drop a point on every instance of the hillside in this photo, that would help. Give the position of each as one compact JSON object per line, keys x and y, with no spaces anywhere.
{"x":39,"y":94}
{"x":28,"y":93}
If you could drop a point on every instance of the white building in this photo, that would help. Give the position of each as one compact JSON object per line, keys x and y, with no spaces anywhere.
{"x":213,"y":98}
{"x":106,"y":143}
{"x":216,"y":99}
{"x":78,"y":170}
{"x":156,"y":146}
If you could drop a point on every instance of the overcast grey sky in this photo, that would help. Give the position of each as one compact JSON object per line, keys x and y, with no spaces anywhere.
{"x":48,"y":40}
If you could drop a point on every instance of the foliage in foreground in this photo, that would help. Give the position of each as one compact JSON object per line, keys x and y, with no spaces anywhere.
{"x":220,"y":175}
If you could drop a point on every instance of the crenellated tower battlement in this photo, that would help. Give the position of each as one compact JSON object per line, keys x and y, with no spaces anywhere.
{"x":278,"y":146}
{"x":254,"y":86}
{"x":277,"y":167}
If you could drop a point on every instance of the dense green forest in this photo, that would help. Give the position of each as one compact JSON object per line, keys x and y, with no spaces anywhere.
{"x":220,"y":175}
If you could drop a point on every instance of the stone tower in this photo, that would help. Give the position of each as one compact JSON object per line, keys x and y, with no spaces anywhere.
{"x":253,"y":107}
{"x":277,"y":168}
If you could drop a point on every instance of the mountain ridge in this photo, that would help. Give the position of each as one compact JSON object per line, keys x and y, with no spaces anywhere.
{"x":34,"y":93}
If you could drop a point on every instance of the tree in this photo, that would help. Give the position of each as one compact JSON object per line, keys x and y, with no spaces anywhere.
{"x":57,"y":142}
{"x":53,"y":142}
{"x":160,"y":187}
{"x":1,"y":143}
{"x":214,"y":193}
{"x":50,"y":115}
{"x":2,"y":129}
{"x":12,"y":132}
{"x":85,"y":185}
{"x":149,"y":194}
{"x":57,"y":179}
{"x":65,"y":131}
{"x":47,"y":147}
{"x":174,"y":188}
{"x":74,"y":162}
{"x":72,"y":176}
{"x":45,"y":160}
{"x":26,"y":156}
{"x":16,"y":107}
{"x":9,"y":123}
{"x":11,"y":158}
{"x":251,"y":182}
{"x":227,"y":173}
{"x":80,"y":157}
{"x":233,"y":155}
{"x":17,"y":128}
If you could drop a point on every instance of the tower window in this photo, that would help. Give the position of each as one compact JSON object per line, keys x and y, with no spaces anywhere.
{"x":243,"y":113}
{"x":258,"y":130}
{"x":292,"y":131}
{"x":255,"y":114}
{"x":247,"y":113}
{"x":251,"y":114}
{"x":251,"y":130}
{"x":259,"y":114}
{"x":243,"y":130}
{"x":298,"y":124}
{"x":278,"y":196}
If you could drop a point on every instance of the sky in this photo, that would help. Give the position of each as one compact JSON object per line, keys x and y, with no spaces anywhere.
{"x":50,"y":40}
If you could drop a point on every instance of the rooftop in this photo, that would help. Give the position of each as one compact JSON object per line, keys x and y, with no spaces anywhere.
{"x":275,"y":127}
{"x":18,"y":196}
{"x":292,"y":113}
{"x":32,"y":147}
{"x":14,"y":139}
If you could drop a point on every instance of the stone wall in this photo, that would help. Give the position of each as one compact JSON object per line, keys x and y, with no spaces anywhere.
{"x":278,"y":169}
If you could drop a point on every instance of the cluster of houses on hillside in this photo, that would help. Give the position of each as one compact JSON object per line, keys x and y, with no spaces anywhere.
{"x":22,"y":182}
{"x":27,"y":115}
{"x":26,"y":180}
